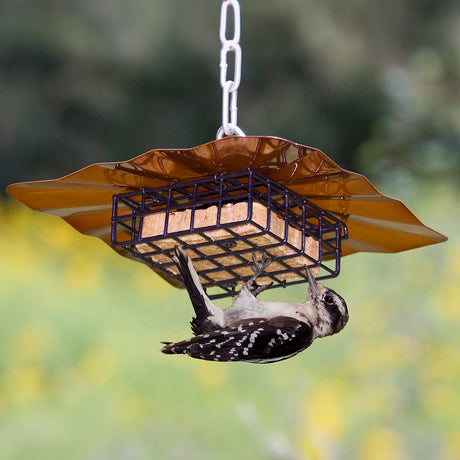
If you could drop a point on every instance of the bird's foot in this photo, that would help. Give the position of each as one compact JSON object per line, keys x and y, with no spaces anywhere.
{"x":260,"y":289}
{"x":258,"y":268}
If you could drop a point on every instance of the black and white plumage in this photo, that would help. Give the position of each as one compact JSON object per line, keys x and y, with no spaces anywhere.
{"x":253,"y":330}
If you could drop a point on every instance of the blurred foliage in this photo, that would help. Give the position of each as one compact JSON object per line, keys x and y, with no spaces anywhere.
{"x":374,"y":85}
{"x":82,"y":377}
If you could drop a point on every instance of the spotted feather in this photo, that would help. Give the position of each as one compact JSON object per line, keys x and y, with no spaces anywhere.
{"x":256,"y":340}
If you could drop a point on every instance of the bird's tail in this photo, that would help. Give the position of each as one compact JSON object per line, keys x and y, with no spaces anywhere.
{"x":192,"y":348}
{"x":168,"y":348}
{"x":209,"y":317}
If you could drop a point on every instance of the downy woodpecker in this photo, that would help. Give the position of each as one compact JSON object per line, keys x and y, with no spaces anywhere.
{"x":252,"y":330}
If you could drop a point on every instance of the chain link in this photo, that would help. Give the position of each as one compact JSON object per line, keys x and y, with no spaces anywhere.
{"x":230,"y":87}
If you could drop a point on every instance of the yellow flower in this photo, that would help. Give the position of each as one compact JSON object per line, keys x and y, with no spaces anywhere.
{"x":325,"y":419}
{"x":383,"y":444}
{"x":97,"y":366}
{"x":452,"y":447}
{"x":25,"y":384}
{"x":83,"y":273}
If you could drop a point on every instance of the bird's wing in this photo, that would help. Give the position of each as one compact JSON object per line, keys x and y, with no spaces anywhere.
{"x":256,"y":340}
{"x":209,"y":317}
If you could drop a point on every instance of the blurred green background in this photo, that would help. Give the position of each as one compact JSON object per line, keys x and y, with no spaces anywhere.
{"x":375,"y":85}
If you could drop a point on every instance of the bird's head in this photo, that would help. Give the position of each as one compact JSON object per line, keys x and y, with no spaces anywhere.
{"x":330,"y":307}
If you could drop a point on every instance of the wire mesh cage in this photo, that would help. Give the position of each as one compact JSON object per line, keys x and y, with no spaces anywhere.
{"x":221,"y":221}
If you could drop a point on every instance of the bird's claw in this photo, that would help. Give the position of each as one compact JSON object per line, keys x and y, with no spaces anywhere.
{"x":258,"y":268}
{"x":260,"y":289}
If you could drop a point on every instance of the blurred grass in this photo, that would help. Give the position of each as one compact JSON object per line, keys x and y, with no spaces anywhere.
{"x":81,"y":375}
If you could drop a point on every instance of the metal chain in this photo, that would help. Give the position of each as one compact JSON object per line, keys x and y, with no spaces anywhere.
{"x":230,"y":87}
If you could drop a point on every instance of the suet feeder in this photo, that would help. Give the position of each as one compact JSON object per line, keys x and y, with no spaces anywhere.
{"x":226,"y":199}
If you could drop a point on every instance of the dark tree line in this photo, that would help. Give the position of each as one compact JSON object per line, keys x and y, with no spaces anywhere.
{"x":375,"y":86}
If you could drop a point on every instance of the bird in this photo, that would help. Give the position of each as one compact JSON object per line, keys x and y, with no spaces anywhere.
{"x":253,"y":330}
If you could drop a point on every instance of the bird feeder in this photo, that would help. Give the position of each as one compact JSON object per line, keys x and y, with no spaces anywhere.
{"x":228,"y":199}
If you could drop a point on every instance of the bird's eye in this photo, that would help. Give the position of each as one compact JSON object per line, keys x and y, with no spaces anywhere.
{"x":329,"y":299}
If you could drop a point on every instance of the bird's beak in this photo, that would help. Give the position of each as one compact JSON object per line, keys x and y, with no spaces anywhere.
{"x":312,"y":284}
